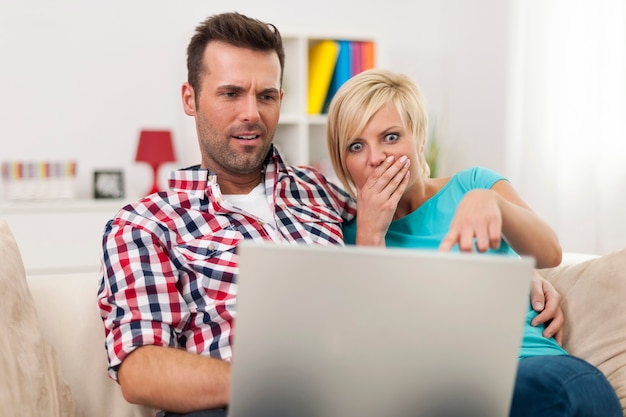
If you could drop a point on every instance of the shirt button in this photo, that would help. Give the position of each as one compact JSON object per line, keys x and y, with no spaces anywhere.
{"x":211,"y":247}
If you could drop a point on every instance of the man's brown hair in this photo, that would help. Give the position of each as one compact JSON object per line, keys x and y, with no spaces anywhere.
{"x":237,"y":30}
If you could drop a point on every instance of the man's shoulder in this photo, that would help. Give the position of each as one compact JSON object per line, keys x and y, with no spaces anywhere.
{"x":307,"y":185}
{"x":158,"y":208}
{"x":306,"y":172}
{"x":308,"y":176}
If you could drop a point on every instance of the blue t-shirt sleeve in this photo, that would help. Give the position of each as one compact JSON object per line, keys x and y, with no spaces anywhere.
{"x":479,"y":177}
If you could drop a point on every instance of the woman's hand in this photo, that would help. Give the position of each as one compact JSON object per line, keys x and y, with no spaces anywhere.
{"x":546,"y":301}
{"x":484,"y":218}
{"x":477,"y":223}
{"x":378,"y":199}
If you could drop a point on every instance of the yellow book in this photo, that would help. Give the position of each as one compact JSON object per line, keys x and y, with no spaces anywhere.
{"x":322,"y":59}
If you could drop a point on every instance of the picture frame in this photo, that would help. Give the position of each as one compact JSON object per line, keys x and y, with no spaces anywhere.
{"x":108,"y":184}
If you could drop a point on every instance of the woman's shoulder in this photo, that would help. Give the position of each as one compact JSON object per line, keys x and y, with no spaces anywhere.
{"x":477,"y":170}
{"x":478,"y":177}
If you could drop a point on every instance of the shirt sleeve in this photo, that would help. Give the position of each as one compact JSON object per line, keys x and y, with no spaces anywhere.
{"x":481,"y":177}
{"x":138,"y":279}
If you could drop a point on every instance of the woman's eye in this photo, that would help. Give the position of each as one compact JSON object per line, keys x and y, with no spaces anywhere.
{"x":392,"y":137}
{"x":355,"y":147}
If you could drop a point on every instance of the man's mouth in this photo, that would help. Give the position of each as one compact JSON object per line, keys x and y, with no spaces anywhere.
{"x":247,"y":137}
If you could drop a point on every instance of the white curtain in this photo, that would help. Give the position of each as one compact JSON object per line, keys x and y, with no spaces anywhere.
{"x":567,"y":136}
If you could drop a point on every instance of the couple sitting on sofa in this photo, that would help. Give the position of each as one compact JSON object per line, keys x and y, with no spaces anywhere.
{"x":167,"y":293}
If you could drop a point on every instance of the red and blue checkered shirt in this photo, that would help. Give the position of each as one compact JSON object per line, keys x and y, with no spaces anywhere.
{"x":169,"y":261}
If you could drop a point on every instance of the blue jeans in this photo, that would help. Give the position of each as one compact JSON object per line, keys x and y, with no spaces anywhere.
{"x":562,"y":386}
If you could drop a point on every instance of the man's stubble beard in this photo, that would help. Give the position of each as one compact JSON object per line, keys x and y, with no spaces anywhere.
{"x":216,"y":146}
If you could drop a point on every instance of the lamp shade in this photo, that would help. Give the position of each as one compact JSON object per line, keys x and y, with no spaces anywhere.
{"x":155,"y":148}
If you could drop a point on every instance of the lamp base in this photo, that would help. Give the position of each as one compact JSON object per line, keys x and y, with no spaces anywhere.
{"x":155,"y":180}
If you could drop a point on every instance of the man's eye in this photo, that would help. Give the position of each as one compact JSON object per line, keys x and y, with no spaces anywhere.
{"x":355,"y":147}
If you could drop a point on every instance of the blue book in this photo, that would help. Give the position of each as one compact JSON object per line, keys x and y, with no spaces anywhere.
{"x":342,"y":72}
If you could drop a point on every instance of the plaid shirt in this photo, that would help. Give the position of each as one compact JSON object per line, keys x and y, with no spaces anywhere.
{"x":169,"y":261}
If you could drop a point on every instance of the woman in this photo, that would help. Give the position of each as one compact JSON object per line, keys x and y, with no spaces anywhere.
{"x":376,"y":136}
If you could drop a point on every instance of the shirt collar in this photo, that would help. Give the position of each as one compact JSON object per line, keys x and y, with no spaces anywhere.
{"x":194,"y":179}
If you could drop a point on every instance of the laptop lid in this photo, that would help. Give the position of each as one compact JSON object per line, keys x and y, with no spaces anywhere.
{"x":364,"y":331}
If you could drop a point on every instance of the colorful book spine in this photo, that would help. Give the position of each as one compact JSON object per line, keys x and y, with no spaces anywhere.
{"x":357,"y":58}
{"x":369,"y":55}
{"x":342,"y":71}
{"x":353,"y":57}
{"x":322,"y":60}
{"x":27,"y":180}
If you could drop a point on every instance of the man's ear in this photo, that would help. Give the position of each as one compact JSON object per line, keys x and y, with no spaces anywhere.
{"x":189,"y":99}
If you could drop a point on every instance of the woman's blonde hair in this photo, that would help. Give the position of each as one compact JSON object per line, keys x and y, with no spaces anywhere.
{"x":358,"y":100}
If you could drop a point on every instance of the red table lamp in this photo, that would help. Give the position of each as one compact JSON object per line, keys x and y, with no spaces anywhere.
{"x":155,"y":148}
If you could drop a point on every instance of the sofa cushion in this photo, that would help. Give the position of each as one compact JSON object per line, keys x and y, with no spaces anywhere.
{"x":31,"y":382}
{"x":594,"y":294}
{"x":81,"y":349}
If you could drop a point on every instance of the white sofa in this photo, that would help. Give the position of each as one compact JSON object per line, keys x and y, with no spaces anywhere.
{"x":53,"y":361}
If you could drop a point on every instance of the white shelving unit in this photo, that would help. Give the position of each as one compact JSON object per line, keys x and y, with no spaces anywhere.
{"x":302,"y":137}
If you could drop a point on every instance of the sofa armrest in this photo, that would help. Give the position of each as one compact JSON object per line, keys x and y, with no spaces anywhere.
{"x":570,"y":258}
{"x":593,"y":290}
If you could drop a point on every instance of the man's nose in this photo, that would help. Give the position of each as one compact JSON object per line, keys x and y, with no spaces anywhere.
{"x":250,"y":109}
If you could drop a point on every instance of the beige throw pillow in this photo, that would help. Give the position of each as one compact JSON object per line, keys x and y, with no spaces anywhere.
{"x":31,"y":384}
{"x":594,"y":304}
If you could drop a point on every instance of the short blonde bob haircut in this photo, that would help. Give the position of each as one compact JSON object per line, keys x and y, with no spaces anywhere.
{"x":358,"y":100}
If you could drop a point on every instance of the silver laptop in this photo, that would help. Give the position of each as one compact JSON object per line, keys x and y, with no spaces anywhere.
{"x":362,"y":331}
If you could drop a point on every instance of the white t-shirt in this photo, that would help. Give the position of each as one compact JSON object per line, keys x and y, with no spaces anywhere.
{"x":255,"y":202}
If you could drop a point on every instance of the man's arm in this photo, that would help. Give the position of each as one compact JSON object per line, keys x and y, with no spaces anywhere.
{"x":174,"y":380}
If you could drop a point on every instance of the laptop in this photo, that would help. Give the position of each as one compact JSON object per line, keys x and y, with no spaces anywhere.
{"x":364,"y":331}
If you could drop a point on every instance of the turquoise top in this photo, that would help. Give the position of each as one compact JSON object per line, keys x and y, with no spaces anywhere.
{"x":426,"y":227}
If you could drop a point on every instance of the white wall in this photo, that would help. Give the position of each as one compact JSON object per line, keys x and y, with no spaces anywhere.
{"x":79,"y":79}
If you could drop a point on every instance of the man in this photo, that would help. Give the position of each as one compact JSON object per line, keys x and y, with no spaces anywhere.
{"x":167,"y":295}
{"x":169,"y":261}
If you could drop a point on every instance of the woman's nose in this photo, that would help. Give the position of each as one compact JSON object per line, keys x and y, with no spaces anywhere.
{"x":377,"y":157}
